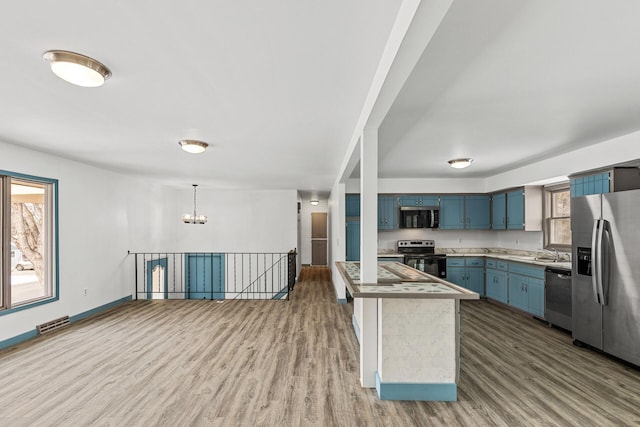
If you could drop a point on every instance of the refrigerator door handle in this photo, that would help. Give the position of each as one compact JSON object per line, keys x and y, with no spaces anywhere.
{"x":604,"y":260}
{"x":595,"y":260}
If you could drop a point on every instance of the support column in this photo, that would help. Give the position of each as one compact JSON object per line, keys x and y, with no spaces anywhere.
{"x":369,"y":254}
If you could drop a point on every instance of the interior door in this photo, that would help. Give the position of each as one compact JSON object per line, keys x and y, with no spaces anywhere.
{"x":204,"y":275}
{"x":318,"y":238}
{"x":157,"y":279}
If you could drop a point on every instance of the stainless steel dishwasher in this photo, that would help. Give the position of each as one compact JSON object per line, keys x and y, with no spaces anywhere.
{"x":557,"y":297}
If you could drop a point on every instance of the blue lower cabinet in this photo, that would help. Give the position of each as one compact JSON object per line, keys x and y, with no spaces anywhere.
{"x":535,"y":295}
{"x":517,"y":292}
{"x":475,"y":280}
{"x":496,"y":285}
{"x":527,"y":292}
{"x":467,"y":273}
{"x":457,"y":275}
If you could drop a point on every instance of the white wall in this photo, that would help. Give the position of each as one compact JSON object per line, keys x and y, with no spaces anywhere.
{"x":523,"y":240}
{"x":238,"y":221}
{"x":100,"y":214}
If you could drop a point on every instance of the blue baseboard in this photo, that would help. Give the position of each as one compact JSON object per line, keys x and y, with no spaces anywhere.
{"x":34,"y":333}
{"x":18,"y":339}
{"x":342,"y":300}
{"x":432,"y":392}
{"x":356,"y":327}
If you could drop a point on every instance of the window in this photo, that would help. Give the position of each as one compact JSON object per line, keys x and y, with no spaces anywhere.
{"x":557,"y":225}
{"x":28,"y":232}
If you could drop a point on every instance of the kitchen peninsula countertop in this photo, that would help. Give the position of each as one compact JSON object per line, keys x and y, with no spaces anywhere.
{"x":396,"y":280}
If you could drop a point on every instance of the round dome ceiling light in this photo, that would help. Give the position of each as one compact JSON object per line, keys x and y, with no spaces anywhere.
{"x":193,"y":146}
{"x":460,"y":163}
{"x":77,"y":69}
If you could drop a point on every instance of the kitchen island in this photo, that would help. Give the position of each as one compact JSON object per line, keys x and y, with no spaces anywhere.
{"x":409,"y":324}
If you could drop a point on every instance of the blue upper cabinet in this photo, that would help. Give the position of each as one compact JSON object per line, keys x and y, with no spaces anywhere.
{"x":353,"y":240}
{"x":418,"y":200}
{"x":499,"y":211}
{"x":465,"y":212}
{"x":452,"y":212}
{"x":515,"y":210}
{"x":352,"y":203}
{"x":387,"y":212}
{"x":477,"y":212}
{"x":519,"y":209}
{"x":607,"y":181}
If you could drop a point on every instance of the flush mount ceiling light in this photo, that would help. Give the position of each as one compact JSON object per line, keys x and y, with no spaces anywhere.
{"x":194,"y":218}
{"x":460,"y":163}
{"x":77,"y":69}
{"x":314,"y":202}
{"x":193,"y":146}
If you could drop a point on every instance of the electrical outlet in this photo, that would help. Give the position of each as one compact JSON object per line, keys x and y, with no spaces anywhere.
{"x":84,"y":292}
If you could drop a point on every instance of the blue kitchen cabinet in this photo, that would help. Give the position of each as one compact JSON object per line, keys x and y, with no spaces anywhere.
{"x":499,"y":211}
{"x":526,"y":288}
{"x":591,"y":184}
{"x":353,"y":240}
{"x":517,"y":292}
{"x":456,"y":275}
{"x":418,"y":200}
{"x":535,"y":295}
{"x":387,"y":212}
{"x":467,"y":272}
{"x":515,"y":210}
{"x":475,"y":280}
{"x":471,"y":212}
{"x":477,"y":212}
{"x":352,"y":204}
{"x":496,"y":281}
{"x":452,"y":212}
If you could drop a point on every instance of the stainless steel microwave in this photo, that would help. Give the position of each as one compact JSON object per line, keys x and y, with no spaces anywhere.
{"x":419,"y":217}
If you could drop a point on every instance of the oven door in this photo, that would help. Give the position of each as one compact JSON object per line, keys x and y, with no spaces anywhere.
{"x":436,"y":265}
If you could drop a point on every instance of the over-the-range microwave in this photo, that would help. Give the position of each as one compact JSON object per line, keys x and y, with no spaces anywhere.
{"x":419,"y":217}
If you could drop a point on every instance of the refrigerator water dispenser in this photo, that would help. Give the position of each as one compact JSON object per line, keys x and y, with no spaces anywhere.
{"x":584,"y":261}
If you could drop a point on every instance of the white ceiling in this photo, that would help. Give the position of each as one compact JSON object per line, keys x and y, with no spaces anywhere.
{"x":510,"y":82}
{"x":274,"y":87}
{"x":277,"y":87}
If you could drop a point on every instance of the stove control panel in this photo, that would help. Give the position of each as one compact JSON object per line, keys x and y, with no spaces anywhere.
{"x":416,"y":243}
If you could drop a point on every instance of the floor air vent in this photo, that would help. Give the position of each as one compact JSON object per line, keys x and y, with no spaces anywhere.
{"x":53,"y":325}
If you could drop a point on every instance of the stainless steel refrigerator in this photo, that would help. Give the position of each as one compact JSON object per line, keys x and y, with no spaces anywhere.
{"x":606,"y":272}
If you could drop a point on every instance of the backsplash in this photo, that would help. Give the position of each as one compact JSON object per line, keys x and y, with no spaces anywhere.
{"x":518,"y":240}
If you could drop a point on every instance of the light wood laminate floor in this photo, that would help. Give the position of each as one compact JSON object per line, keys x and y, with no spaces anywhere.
{"x":279,"y":363}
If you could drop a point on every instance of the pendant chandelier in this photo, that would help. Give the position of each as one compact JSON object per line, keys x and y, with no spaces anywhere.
{"x":194,"y":218}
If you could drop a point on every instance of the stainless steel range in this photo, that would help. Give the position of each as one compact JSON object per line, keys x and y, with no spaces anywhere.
{"x":420,"y":254}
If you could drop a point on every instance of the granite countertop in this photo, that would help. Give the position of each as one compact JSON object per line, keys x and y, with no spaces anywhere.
{"x":527,"y":257}
{"x":507,"y":255}
{"x":396,"y":280}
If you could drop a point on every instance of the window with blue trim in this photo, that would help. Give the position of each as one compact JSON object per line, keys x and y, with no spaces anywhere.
{"x":28,"y":234}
